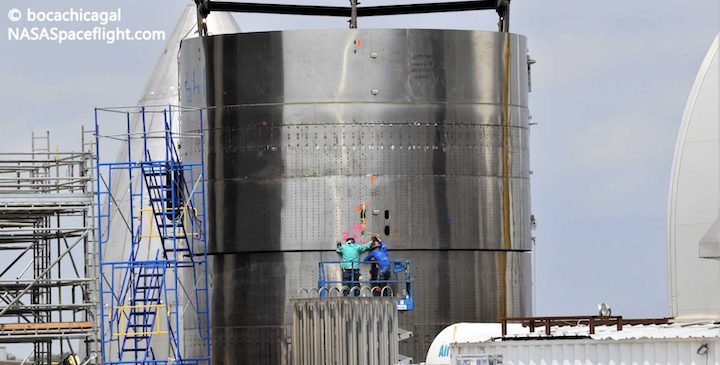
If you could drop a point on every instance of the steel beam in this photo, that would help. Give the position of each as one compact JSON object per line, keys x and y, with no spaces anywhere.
{"x":344,"y":11}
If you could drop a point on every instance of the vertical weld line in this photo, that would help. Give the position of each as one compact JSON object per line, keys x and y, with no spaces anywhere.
{"x":502,"y":297}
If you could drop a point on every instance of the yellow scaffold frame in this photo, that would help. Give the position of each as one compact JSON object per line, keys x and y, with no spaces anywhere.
{"x":122,"y":329}
{"x":151,"y":224}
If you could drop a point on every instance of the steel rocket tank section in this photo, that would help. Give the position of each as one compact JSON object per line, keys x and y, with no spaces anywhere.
{"x":422,"y":135}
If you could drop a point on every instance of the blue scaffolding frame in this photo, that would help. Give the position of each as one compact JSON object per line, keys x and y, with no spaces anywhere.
{"x":141,"y":295}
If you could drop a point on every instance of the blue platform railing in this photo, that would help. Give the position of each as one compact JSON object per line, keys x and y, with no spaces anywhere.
{"x":400,"y":282}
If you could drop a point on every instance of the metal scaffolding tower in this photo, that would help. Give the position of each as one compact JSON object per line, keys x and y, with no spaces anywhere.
{"x":47,"y":295}
{"x":154,"y":276}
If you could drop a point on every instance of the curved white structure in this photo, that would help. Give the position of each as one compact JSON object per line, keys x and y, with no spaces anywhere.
{"x":694,"y":200}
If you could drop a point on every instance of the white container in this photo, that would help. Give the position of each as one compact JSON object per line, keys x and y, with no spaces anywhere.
{"x":646,"y":351}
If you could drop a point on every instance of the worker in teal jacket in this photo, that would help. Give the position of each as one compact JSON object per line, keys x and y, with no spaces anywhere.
{"x":350,"y":263}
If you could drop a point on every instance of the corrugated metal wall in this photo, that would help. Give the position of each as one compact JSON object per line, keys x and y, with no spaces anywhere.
{"x":681,"y":351}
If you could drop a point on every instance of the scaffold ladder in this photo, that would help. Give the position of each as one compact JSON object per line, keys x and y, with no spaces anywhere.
{"x":141,"y":315}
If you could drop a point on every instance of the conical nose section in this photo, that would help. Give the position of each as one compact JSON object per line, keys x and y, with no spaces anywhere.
{"x":219,"y":23}
{"x":161,"y":88}
{"x":710,"y":242}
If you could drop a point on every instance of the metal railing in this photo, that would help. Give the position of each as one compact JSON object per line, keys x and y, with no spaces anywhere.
{"x":400,"y":284}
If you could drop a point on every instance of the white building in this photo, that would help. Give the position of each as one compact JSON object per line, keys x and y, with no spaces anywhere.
{"x":675,"y":343}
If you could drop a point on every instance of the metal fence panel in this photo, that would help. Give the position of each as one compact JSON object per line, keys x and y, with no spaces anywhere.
{"x":345,"y":331}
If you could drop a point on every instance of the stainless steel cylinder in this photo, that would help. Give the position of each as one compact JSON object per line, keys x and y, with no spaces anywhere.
{"x":313,"y":135}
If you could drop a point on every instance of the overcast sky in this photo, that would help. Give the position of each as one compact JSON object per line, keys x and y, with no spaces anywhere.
{"x":609,"y":88}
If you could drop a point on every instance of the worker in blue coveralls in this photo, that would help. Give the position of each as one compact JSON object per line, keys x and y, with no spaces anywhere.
{"x":380,"y":272}
{"x":350,"y":264}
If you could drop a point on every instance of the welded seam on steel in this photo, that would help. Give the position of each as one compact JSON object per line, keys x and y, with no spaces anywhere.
{"x":502,"y":298}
